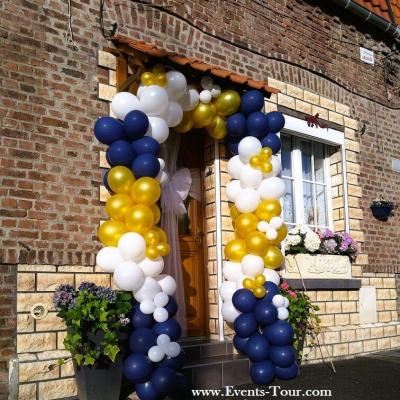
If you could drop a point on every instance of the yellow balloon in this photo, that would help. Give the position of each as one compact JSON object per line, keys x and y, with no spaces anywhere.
{"x":273,"y":258}
{"x":152,"y":252}
{"x":234,"y":212}
{"x":245,"y":224}
{"x":163,"y":248}
{"x":161,"y":233}
{"x":156,"y":213}
{"x":266,"y":167}
{"x":139,"y":218}
{"x":227,"y":103}
{"x":146,"y":190}
{"x":118,"y":205}
{"x":268,"y":208}
{"x":217,"y":129}
{"x":120,"y":179}
{"x":256,"y":243}
{"x":147,"y":78}
{"x":110,"y":231}
{"x":203,"y":115}
{"x":151,"y":237}
{"x":158,"y":69}
{"x":235,"y":250}
{"x":255,"y":161}
{"x":266,"y":153}
{"x":160,"y":79}
{"x":282,"y":233}
{"x":186,"y":124}
{"x":259,"y":279}
{"x":259,"y":292}
{"x":248,"y":283}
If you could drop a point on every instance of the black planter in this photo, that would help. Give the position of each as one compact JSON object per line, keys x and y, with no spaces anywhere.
{"x":381,"y":212}
{"x":99,"y":383}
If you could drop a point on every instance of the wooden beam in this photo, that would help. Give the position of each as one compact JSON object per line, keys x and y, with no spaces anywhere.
{"x":122,"y":71}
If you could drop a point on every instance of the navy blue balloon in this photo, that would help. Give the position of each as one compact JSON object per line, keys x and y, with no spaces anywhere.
{"x":163,"y":380}
{"x":276,"y":121}
{"x":171,"y":307}
{"x":142,"y":320}
{"x":287,"y":373}
{"x":244,"y":300}
{"x":120,"y":152}
{"x":107,"y":130}
{"x":272,"y":141}
{"x":146,"y":145}
{"x":245,"y":325}
{"x":105,"y":181}
{"x":145,"y":165}
{"x":146,"y":391}
{"x":271,"y":289}
{"x":173,"y":362}
{"x":252,"y":100}
{"x":141,"y":340}
{"x":236,"y":126}
{"x":181,"y":389}
{"x":233,"y":147}
{"x":170,"y":327}
{"x":257,"y":124}
{"x":282,"y":356}
{"x":280,"y":333}
{"x":240,"y":343}
{"x":262,"y":373}
{"x":257,"y":348}
{"x":136,"y":124}
{"x":265,"y":312}
{"x":137,"y":368}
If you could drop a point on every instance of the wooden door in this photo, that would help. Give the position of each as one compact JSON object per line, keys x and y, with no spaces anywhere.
{"x":191,"y":236}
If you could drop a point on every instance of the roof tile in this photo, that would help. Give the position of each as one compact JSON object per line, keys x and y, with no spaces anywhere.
{"x":380,"y":7}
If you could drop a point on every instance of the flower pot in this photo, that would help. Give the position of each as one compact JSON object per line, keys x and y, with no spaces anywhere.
{"x":99,"y":383}
{"x":381,"y":212}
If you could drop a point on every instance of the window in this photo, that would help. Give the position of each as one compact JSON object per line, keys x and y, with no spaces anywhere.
{"x":305,"y":171}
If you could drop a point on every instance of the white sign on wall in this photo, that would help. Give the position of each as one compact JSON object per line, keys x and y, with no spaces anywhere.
{"x":367,"y":56}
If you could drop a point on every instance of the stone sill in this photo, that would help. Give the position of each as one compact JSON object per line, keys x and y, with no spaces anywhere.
{"x":325,"y":284}
{"x":361,"y":326}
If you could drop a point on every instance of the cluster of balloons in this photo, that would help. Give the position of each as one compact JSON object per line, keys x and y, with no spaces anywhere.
{"x":262,"y":334}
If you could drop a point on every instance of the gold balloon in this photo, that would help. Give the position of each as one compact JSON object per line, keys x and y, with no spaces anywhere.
{"x":248,"y":283}
{"x":161,"y":233}
{"x":234,"y":212}
{"x":186,"y":124}
{"x":118,"y":205}
{"x":266,"y":153}
{"x":259,"y":292}
{"x":245,"y":224}
{"x":268,"y":208}
{"x":273,"y":258}
{"x":227,"y":103}
{"x":255,"y":161}
{"x":256,"y":243}
{"x":160,"y":79}
{"x":259,"y":279}
{"x":203,"y":115}
{"x":158,"y":69}
{"x":110,"y":231}
{"x":266,"y":167}
{"x":151,"y":237}
{"x":217,"y":129}
{"x":120,"y":179}
{"x":156,"y":213}
{"x":152,"y":252}
{"x":163,"y":248}
{"x":282,"y":233}
{"x":139,"y":218}
{"x":146,"y":190}
{"x":235,"y":250}
{"x":147,"y":78}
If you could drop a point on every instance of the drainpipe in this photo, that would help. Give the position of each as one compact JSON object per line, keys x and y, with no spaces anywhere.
{"x":367,"y":16}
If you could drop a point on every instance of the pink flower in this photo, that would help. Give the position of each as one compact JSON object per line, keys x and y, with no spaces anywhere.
{"x":285,"y":286}
{"x":292,"y":294}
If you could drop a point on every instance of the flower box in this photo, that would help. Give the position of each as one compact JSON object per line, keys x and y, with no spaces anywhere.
{"x":317,"y":266}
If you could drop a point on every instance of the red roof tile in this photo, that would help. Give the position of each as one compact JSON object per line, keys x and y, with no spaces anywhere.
{"x":381,"y":8}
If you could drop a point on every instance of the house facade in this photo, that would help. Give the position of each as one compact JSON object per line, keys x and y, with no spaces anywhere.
{"x":59,"y":73}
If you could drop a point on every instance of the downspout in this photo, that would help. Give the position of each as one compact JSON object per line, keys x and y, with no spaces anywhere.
{"x":367,"y":16}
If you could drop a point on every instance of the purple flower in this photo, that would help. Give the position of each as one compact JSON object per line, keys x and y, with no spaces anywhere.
{"x":106,"y":293}
{"x":64,"y":297}
{"x":89,"y":286}
{"x":330,"y":245}
{"x":327,"y":234}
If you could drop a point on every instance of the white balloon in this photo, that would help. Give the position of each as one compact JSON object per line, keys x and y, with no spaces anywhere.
{"x":286,"y":304}
{"x":276,"y":222}
{"x":190,"y":99}
{"x":172,"y":349}
{"x":148,"y":290}
{"x":248,"y":147}
{"x":231,"y":270}
{"x":161,"y":299}
{"x":276,"y":167}
{"x":156,"y":353}
{"x":140,"y":90}
{"x":215,"y":91}
{"x":234,"y":167}
{"x":167,"y":283}
{"x":162,"y":163}
{"x":226,"y":290}
{"x":271,"y":276}
{"x":247,"y":200}
{"x":205,"y":96}
{"x":272,"y":188}
{"x":229,"y":312}
{"x":163,"y":340}
{"x":132,"y":246}
{"x":108,"y":259}
{"x":173,"y":114}
{"x":206,"y":82}
{"x":160,"y":314}
{"x":176,"y":85}
{"x":283,"y":313}
{"x":128,"y":276}
{"x":262,"y":226}
{"x":162,"y":177}
{"x":271,"y":233}
{"x":152,"y":268}
{"x":158,"y":129}
{"x":124,"y":102}
{"x":278,"y":301}
{"x":154,"y":100}
{"x":250,"y":177}
{"x":147,"y":306}
{"x":233,"y":188}
{"x":252,"y":265}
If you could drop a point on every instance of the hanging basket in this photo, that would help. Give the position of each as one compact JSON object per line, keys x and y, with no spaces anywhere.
{"x":381,"y":212}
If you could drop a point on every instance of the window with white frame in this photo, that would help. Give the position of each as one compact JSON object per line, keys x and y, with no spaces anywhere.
{"x":306,"y":173}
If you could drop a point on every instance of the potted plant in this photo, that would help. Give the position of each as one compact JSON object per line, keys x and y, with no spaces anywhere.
{"x":381,"y":209}
{"x":303,"y":319}
{"x":97,"y":331}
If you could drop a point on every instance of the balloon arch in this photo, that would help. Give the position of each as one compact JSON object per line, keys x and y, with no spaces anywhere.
{"x":135,"y":245}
